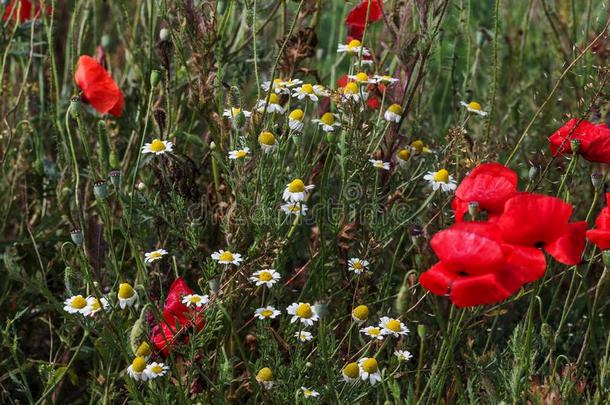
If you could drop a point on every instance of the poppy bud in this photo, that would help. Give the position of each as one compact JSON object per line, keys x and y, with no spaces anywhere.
{"x":155,"y":78}
{"x":107,"y":41}
{"x":532,"y":172}
{"x":235,"y":97}
{"x":575,"y":145}
{"x":115,"y":162}
{"x":138,"y":330}
{"x":240,"y":120}
{"x":75,"y":107}
{"x":68,"y":274}
{"x":547,"y":333}
{"x":331,"y":137}
{"x":100,"y":189}
{"x":473,"y":209}
{"x":212,"y":145}
{"x":115,"y":178}
{"x":421,"y":331}
{"x":77,"y":236}
{"x":597,"y":179}
{"x":606,"y":258}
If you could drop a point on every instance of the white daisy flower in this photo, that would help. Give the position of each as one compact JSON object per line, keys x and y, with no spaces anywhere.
{"x":380,"y":164}
{"x":373,"y":332}
{"x":226,"y":257}
{"x":239,"y":153}
{"x":295,"y":120}
{"x":441,"y":179}
{"x":296,"y":191}
{"x":320,"y":90}
{"x":158,"y":147}
{"x":267,"y":142}
{"x":303,"y":336}
{"x":265,"y":377}
{"x":309,"y":393}
{"x":278,"y":85}
{"x":393,"y":113}
{"x":75,"y":304}
{"x":265,"y":277}
{"x":305,"y":91}
{"x":266,"y":312}
{"x":391,"y":326}
{"x":155,"y":370}
{"x":361,"y":78}
{"x":155,"y":255}
{"x":403,"y":355}
{"x":297,"y":208}
{"x":403,"y":156}
{"x":195,"y":300}
{"x":233,"y":112}
{"x":272,"y":106}
{"x":136,"y":369}
{"x":353,"y":47}
{"x":385,"y":79}
{"x":366,"y":61}
{"x":369,"y":370}
{"x":351,"y":372}
{"x":127,"y":295}
{"x":94,"y":305}
{"x":304,"y":312}
{"x":358,"y":266}
{"x":352,"y":91}
{"x":328,"y":122}
{"x":290,"y":83}
{"x":474,"y":107}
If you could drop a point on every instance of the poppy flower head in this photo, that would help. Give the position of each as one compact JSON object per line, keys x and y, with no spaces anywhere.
{"x":600,"y":236}
{"x":357,"y":16}
{"x":594,"y":140}
{"x":22,"y":11}
{"x":98,"y":87}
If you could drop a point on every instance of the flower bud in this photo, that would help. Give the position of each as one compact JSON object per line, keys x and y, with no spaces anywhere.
{"x":240,"y":120}
{"x":421,"y":331}
{"x":531,"y":174}
{"x":164,"y":34}
{"x":106,"y":41}
{"x":473,"y":209}
{"x":212,"y":145}
{"x":77,"y":236}
{"x":100,"y":189}
{"x":140,"y":186}
{"x":331,"y":137}
{"x":575,"y":145}
{"x":597,"y":179}
{"x":155,"y":78}
{"x":115,"y":178}
{"x":114,"y":160}
{"x":75,"y":107}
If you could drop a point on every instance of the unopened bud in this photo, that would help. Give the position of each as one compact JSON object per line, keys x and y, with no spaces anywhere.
{"x":114,"y":160}
{"x":212,"y":145}
{"x":77,"y":236}
{"x":164,"y":34}
{"x":421,"y":331}
{"x":597,"y":179}
{"x":100,"y":189}
{"x":106,"y":41}
{"x":140,"y":186}
{"x":575,"y":145}
{"x":155,"y":78}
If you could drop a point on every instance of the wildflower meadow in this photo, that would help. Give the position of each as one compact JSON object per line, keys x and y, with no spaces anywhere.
{"x":304,"y":201}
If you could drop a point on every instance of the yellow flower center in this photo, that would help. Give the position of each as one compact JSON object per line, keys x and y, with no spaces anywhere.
{"x":369,"y":365}
{"x":307,"y":88}
{"x":361,"y":312}
{"x":395,"y":108}
{"x":274,"y":99}
{"x":473,"y":105}
{"x":266,"y":138}
{"x":235,"y":111}
{"x":328,"y":118}
{"x":226,"y":257}
{"x":362,"y":77}
{"x":442,"y":176}
{"x":307,"y":393}
{"x":351,"y":88}
{"x":277,"y":81}
{"x":240,"y":154}
{"x":296,"y":186}
{"x":296,"y":115}
{"x":157,"y":145}
{"x":264,"y":374}
{"x":358,"y":265}
{"x":155,"y":255}
{"x":418,"y":145}
{"x":265,"y":276}
{"x":266,"y":313}
{"x":351,"y":370}
{"x":354,"y":43}
{"x":393,"y":325}
{"x":195,"y":299}
{"x":96,"y":305}
{"x":294,"y":208}
{"x":304,"y":311}
{"x":404,"y":154}
{"x":139,"y":364}
{"x":374,"y":332}
{"x":125,"y":291}
{"x":143,"y":350}
{"x":156,"y":369}
{"x":79,"y":302}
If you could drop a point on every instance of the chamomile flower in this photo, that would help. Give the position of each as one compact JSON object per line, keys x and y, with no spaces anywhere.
{"x":391,"y":326}
{"x":238,"y":154}
{"x":369,"y":370}
{"x":419,"y":147}
{"x":158,"y":147}
{"x":195,"y":300}
{"x":278,"y":85}
{"x":94,"y":305}
{"x":155,"y":255}
{"x":351,"y":372}
{"x":361,"y":78}
{"x":393,"y":113}
{"x":155,"y":370}
{"x":266,"y":277}
{"x":441,"y":179}
{"x":403,"y":355}
{"x":304,"y":312}
{"x":352,"y":91}
{"x":303,"y":336}
{"x":309,"y":393}
{"x":380,"y":164}
{"x":226,"y":257}
{"x":233,"y":112}
{"x":265,"y":377}
{"x":75,"y":304}
{"x":305,"y":91}
{"x":474,"y":107}
{"x":266,"y":312}
{"x":366,"y":60}
{"x":290,"y":83}
{"x":374,"y":332}
{"x":267,"y":141}
{"x":127,"y":295}
{"x":403,"y":156}
{"x":136,"y":369}
{"x":296,"y":191}
{"x":144,"y":350}
{"x":353,"y":47}
{"x":328,"y":122}
{"x":358,"y":266}
{"x":360,"y":314}
{"x":385,"y":79}
{"x":294,"y":208}
{"x":295,"y":120}
{"x":273,"y":105}
{"x":320,"y":90}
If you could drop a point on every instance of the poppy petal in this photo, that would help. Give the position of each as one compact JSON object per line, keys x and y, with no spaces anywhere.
{"x":489,"y":184}
{"x":437,"y":279}
{"x":477,"y":290}
{"x":163,"y":337}
{"x":460,"y":208}
{"x":174,"y":310}
{"x":600,"y":238}
{"x":568,"y":248}
{"x":98,"y":87}
{"x":357,"y":16}
{"x":523,"y":265}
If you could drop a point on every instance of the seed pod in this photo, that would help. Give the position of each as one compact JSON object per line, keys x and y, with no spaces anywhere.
{"x":115,"y":178}
{"x":75,"y":107}
{"x":155,"y":78}
{"x":77,"y":236}
{"x":100,"y":189}
{"x":68,"y":275}
{"x":138,"y":331}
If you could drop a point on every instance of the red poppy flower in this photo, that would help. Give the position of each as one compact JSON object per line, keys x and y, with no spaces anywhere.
{"x":373,"y":103}
{"x":594,"y":140}
{"x":488,"y":184}
{"x":99,"y":88}
{"x":26,"y":12}
{"x":600,"y":236}
{"x":477,"y":268}
{"x":176,"y":317}
{"x":538,"y":220}
{"x":342,"y":81}
{"x":357,"y":16}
